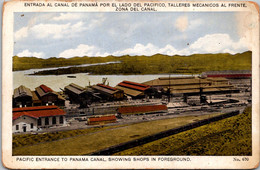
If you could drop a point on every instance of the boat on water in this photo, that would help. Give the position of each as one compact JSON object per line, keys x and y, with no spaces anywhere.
{"x":71,"y":76}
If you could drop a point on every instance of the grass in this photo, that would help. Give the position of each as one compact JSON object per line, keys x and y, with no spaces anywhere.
{"x":155,"y":64}
{"x":90,"y":142}
{"x":228,"y":137}
{"x":20,"y":140}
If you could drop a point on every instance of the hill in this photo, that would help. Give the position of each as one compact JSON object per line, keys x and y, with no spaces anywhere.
{"x":156,"y":64}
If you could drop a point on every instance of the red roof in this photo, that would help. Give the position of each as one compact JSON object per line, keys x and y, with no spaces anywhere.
{"x":134,"y":85}
{"x":142,"y":109}
{"x":108,"y":87}
{"x":36,"y":112}
{"x":45,"y":88}
{"x":102,"y":118}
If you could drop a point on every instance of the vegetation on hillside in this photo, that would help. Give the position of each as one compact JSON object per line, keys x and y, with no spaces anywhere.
{"x":228,"y":137}
{"x":26,"y":63}
{"x":156,"y":64}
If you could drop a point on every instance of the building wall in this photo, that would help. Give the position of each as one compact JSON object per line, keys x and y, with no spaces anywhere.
{"x":24,"y":122}
{"x":43,"y":125}
{"x":119,"y":95}
{"x":23,"y":101}
{"x":49,"y":98}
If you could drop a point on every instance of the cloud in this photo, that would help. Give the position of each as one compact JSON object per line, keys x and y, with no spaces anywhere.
{"x":215,"y":43}
{"x":82,"y":50}
{"x":27,"y":53}
{"x":168,"y":50}
{"x":21,"y":33}
{"x":57,"y":31}
{"x":181,"y":23}
{"x":139,"y":49}
{"x":210,"y":43}
{"x":68,"y":16}
{"x":148,"y":50}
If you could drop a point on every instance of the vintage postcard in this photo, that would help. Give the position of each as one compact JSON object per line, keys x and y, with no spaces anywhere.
{"x":130,"y":84}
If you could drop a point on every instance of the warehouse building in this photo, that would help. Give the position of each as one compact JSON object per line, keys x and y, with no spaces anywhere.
{"x":81,"y":95}
{"x":29,"y":119}
{"x":76,"y":93}
{"x":101,"y":120}
{"x":142,"y":109}
{"x":108,"y":92}
{"x":136,"y":90}
{"x":48,"y":96}
{"x":192,"y":85}
{"x":22,"y":97}
{"x":35,"y":99}
{"x":230,"y":74}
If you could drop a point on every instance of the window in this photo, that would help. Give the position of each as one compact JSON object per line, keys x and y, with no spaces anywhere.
{"x":61,"y":119}
{"x":17,"y":127}
{"x":31,"y":125}
{"x":54,"y":120}
{"x":46,"y":120}
{"x":39,"y":122}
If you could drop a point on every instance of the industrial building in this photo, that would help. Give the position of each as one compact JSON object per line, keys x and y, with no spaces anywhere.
{"x":27,"y":119}
{"x":230,"y":74}
{"x":76,"y":93}
{"x":48,"y":96}
{"x":35,"y":99}
{"x":22,"y":97}
{"x":136,"y":90}
{"x":101,"y":120}
{"x":142,"y":109}
{"x":108,"y":93}
{"x":81,"y":95}
{"x":192,"y":85}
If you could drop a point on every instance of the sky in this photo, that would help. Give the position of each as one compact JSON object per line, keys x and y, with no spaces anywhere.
{"x":51,"y":34}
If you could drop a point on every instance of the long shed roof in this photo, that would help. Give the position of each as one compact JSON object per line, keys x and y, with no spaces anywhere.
{"x":129,"y":91}
{"x":75,"y":88}
{"x":37,"y":112}
{"x":142,"y":109}
{"x":105,"y":89}
{"x":204,"y":90}
{"x":172,"y":82}
{"x":43,"y":90}
{"x":102,"y":118}
{"x":35,"y":97}
{"x":134,"y":86}
{"x":22,"y":91}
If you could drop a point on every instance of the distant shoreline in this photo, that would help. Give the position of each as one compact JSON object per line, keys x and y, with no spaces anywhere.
{"x":137,"y":65}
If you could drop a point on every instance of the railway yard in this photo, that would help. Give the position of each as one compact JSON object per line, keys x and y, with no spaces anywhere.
{"x":138,"y":114}
{"x":142,"y":108}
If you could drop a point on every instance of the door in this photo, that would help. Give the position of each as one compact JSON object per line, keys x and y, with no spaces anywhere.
{"x":24,"y":129}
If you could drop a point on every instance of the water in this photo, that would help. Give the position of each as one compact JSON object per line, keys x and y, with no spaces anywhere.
{"x":31,"y":71}
{"x":57,"y":82}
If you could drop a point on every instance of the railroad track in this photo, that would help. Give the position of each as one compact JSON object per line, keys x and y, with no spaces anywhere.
{"x":137,"y":142}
